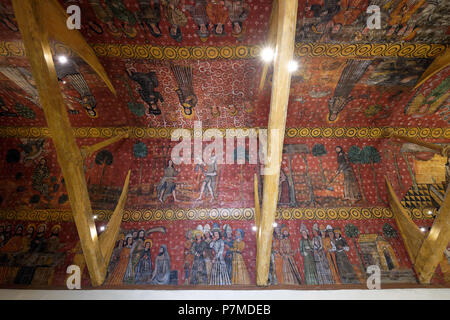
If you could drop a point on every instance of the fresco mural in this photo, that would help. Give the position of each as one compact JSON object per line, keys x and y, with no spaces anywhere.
{"x":175,"y":62}
{"x":209,"y":253}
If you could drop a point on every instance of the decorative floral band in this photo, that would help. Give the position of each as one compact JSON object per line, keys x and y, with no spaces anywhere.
{"x":166,"y":133}
{"x":139,"y":215}
{"x":127,"y":51}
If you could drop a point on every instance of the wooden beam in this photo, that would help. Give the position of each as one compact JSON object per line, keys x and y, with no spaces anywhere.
{"x":108,"y":238}
{"x":425,"y":252}
{"x":410,"y":232}
{"x":86,"y":151}
{"x":443,"y":150}
{"x":271,"y":39}
{"x":287,"y":18}
{"x":257,"y":208}
{"x":439,"y":63}
{"x":55,"y":24}
{"x":433,"y":247}
{"x":33,"y":20}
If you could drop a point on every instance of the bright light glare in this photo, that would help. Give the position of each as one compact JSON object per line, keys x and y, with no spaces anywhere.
{"x":423,"y":229}
{"x":267,"y":54}
{"x":254,"y":228}
{"x":102,"y":228}
{"x":292,"y":66}
{"x":62,"y":59}
{"x":275,"y":224}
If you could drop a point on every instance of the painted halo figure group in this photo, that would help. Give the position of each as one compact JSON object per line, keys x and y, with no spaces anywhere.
{"x":210,"y":16}
{"x":324,"y":256}
{"x":213,"y":256}
{"x":132,"y":261}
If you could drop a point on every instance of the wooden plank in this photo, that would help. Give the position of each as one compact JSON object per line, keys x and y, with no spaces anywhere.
{"x":439,"y":63}
{"x":55,"y":24}
{"x":287,"y":18}
{"x":86,"y":151}
{"x":257,"y":207}
{"x":444,"y":150}
{"x":433,"y":247}
{"x":33,"y":20}
{"x":271,"y":38}
{"x":108,"y":238}
{"x":410,"y":232}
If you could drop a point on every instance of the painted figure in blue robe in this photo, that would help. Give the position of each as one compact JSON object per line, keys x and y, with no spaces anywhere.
{"x":144,"y":270}
{"x":198,"y":270}
{"x":228,"y":243}
{"x":306,"y":250}
{"x":219,"y":272}
{"x":161,"y":274}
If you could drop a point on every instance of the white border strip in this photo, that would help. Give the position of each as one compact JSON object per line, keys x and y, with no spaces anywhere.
{"x":230,"y":295}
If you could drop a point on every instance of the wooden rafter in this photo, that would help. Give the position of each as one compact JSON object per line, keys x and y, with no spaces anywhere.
{"x":425,"y":251}
{"x":86,"y":151}
{"x":439,"y":63}
{"x":39,"y":20}
{"x":285,"y":40}
{"x":271,"y":40}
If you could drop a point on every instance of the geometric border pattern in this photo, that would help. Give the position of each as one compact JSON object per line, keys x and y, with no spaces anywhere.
{"x":140,"y":215}
{"x":165,"y":133}
{"x":127,"y":51}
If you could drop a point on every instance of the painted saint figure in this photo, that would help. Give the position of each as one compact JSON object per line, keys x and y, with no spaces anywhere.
{"x":307,"y":252}
{"x":200,"y":17}
{"x":185,"y":90}
{"x":240,"y":274}
{"x":144,"y":266}
{"x":352,"y":73}
{"x":150,"y":14}
{"x":125,"y":16}
{"x":228,"y":242}
{"x":148,"y":83}
{"x":198,"y":270}
{"x":161,"y":274}
{"x":324,"y":275}
{"x":167,"y":185}
{"x":117,"y":276}
{"x":219,"y":273}
{"x":175,"y":17}
{"x":218,"y":14}
{"x":330,"y":249}
{"x":238,"y":11}
{"x":351,"y":187}
{"x":290,"y":269}
{"x":345,"y":268}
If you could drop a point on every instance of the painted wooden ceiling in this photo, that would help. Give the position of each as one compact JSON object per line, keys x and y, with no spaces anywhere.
{"x":351,"y":83}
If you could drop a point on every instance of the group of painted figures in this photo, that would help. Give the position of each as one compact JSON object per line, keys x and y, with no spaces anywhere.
{"x":401,"y":19}
{"x":324,"y":255}
{"x":213,"y":256}
{"x":132,"y":262}
{"x":29,"y":255}
{"x":210,"y":16}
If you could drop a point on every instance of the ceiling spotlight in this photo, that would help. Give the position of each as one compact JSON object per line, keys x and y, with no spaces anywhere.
{"x":254,"y":228}
{"x":292,"y":66}
{"x":423,"y":229}
{"x":62,"y":59}
{"x":430,"y":212}
{"x":275,"y":224}
{"x":102,"y":228}
{"x":267,"y":54}
{"x":95,"y":217}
